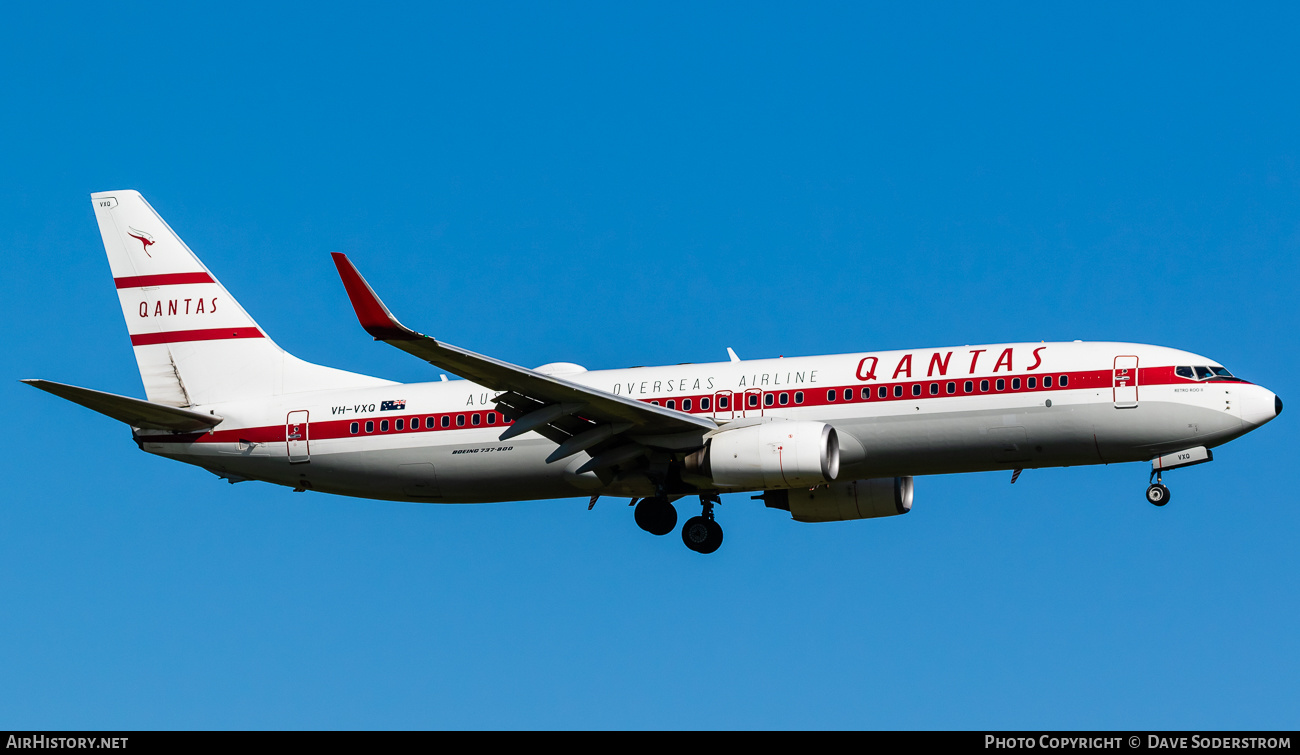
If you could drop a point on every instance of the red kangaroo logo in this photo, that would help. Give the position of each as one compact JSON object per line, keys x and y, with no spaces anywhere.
{"x":145,"y":240}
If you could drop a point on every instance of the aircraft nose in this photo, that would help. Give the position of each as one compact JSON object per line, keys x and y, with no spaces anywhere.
{"x":1259,"y":405}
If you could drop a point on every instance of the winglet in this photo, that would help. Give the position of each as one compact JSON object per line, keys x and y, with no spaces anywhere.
{"x":372,"y":313}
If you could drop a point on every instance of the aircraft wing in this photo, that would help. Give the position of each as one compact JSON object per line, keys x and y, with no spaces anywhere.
{"x":576,"y":416}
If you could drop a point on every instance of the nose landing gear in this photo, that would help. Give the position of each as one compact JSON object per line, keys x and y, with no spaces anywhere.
{"x":1157,"y":493}
{"x":701,"y":533}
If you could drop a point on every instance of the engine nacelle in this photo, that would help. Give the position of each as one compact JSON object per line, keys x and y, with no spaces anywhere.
{"x":773,"y":454}
{"x":841,"y":501}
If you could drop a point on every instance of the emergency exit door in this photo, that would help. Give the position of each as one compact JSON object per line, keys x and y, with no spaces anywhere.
{"x":723,"y":405}
{"x":295,"y":436}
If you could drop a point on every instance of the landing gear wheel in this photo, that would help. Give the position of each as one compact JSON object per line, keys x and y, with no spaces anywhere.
{"x":702,"y":535}
{"x":656,"y":516}
{"x":1158,"y":495}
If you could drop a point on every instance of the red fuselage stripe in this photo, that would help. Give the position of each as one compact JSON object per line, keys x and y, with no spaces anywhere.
{"x":813,"y":396}
{"x":168,"y":279}
{"x":210,"y":334}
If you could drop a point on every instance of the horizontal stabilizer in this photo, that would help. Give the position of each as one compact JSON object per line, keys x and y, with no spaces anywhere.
{"x":132,"y":411}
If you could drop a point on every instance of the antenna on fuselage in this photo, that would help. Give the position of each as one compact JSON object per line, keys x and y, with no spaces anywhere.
{"x":732,"y":354}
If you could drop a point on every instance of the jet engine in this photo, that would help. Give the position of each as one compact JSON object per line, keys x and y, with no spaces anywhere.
{"x":769,"y":455}
{"x":841,"y":501}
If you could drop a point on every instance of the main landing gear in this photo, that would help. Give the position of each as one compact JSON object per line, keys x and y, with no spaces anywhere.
{"x":1157,"y":494}
{"x":700,"y":533}
{"x":656,"y":515}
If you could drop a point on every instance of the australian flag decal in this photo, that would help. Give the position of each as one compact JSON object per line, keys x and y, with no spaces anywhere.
{"x":392,"y":406}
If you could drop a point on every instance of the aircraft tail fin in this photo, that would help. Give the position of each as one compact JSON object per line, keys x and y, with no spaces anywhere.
{"x":193,"y":343}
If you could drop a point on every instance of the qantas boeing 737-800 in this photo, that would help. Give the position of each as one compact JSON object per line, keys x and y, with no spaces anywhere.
{"x":826,"y":438}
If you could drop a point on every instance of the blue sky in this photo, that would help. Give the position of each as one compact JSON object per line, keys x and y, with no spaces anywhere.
{"x":615,"y":185}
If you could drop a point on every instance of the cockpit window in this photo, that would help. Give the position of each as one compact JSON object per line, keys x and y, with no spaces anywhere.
{"x":1206,"y":372}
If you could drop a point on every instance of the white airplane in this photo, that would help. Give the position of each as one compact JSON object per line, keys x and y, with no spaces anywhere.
{"x":826,"y":438}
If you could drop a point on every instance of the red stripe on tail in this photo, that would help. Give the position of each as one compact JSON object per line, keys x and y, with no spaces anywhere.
{"x":210,"y":334}
{"x":168,"y":279}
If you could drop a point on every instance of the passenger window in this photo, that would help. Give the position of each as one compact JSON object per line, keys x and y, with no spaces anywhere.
{"x":415,"y":423}
{"x":768,"y":399}
{"x":898,"y":391}
{"x":848,"y":394}
{"x":370,"y":426}
{"x":1065,"y":380}
{"x":883,"y":392}
{"x":753,"y":400}
{"x":686,"y":405}
{"x":798,"y":397}
{"x":474,"y":420}
{"x":446,"y":420}
{"x":916,"y":389}
{"x":968,"y":386}
{"x":784,"y":398}
{"x":723,"y":401}
{"x":654,"y":401}
{"x":1015,"y":384}
{"x":672,"y":403}
{"x":460,"y":420}
{"x":952,"y":388}
{"x":1031,"y":383}
{"x":491,"y":418}
{"x":383,"y":426}
{"x":704,"y":404}
{"x":1047,"y":381}
{"x":984,"y":386}
{"x":1002,"y":384}
{"x":428,"y":422}
{"x":830,"y":395}
{"x":354,"y":428}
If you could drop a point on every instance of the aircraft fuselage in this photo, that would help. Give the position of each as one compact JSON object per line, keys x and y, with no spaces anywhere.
{"x":898,"y":413}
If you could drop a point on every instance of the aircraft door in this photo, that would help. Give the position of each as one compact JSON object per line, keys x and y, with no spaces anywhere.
{"x":1125,"y":382}
{"x":295,"y":436}
{"x":753,"y":403}
{"x":723,"y":406}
